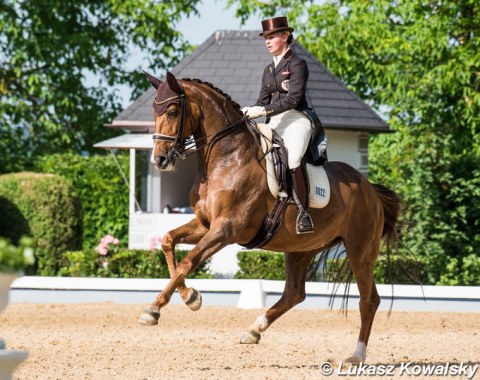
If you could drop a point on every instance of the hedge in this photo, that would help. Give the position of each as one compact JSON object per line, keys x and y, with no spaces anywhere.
{"x":44,"y":207}
{"x":100,"y":188}
{"x":270,"y":265}
{"x":266,"y":265}
{"x":400,"y":270}
{"x":124,"y":263}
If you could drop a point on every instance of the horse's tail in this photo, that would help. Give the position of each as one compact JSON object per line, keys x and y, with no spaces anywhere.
{"x":392,"y":205}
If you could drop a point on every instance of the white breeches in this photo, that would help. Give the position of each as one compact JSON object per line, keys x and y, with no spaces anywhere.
{"x":296,"y":131}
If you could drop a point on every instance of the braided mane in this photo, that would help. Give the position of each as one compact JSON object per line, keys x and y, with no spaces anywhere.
{"x":228,"y":97}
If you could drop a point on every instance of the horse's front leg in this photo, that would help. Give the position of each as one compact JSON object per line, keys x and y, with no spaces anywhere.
{"x":296,"y":265}
{"x":214,"y":240}
{"x":189,"y":233}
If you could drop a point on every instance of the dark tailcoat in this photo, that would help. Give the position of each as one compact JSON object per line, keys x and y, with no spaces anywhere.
{"x":283,"y":88}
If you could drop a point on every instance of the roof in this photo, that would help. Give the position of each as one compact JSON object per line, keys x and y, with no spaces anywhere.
{"x":233,"y":61}
{"x":126,"y":141}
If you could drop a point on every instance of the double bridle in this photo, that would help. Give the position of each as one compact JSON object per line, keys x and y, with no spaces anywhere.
{"x":185,"y":147}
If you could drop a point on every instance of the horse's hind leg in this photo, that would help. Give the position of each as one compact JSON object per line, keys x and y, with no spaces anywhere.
{"x":296,"y":265}
{"x":189,"y":233}
{"x":369,"y":301}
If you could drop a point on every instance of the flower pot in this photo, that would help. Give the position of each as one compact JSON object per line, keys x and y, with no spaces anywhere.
{"x":9,"y":360}
{"x":5,"y":280}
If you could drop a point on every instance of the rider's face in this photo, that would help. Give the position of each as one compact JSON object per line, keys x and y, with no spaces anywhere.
{"x":276,"y":43}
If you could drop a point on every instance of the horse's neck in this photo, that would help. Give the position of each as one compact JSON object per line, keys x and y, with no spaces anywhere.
{"x":230,"y":144}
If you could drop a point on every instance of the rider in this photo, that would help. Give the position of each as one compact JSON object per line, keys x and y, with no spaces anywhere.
{"x":282,"y":99}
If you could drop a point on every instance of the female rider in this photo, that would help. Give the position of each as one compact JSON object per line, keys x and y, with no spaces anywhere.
{"x":282,"y":100}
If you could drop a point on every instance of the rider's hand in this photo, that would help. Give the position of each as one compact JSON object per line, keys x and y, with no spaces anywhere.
{"x":254,"y":112}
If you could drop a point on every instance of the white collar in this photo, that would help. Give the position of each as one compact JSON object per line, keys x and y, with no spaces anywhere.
{"x":278,"y":58}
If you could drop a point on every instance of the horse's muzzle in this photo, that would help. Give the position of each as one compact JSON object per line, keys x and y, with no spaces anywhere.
{"x":161,"y":162}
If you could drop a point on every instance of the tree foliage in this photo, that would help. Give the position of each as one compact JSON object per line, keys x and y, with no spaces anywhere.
{"x":418,"y":62}
{"x":49,"y":49}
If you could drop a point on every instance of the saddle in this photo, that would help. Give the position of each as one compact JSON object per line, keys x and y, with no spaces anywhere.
{"x":280,"y":181}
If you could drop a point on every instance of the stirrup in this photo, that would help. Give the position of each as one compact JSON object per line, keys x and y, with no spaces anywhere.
{"x":304,"y":223}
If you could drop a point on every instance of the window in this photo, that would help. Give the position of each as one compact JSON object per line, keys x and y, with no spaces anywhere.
{"x":363,"y":150}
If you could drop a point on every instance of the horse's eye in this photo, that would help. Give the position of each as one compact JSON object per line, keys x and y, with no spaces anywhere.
{"x":172,"y":114}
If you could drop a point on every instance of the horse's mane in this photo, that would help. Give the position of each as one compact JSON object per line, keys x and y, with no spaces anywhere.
{"x":226,"y":96}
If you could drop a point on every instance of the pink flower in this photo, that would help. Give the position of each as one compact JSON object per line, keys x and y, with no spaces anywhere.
{"x":154,"y":240}
{"x":109,"y":239}
{"x":105,"y":264}
{"x":102,"y":250}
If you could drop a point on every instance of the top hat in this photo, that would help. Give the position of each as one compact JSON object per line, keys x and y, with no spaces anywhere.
{"x":275,"y":24}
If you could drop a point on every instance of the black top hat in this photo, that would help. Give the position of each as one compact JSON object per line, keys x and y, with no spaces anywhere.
{"x":275,"y":24}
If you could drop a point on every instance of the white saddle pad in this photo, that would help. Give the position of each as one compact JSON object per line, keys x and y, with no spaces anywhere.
{"x":319,"y":185}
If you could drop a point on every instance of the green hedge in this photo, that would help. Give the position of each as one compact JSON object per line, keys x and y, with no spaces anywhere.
{"x":266,"y":265}
{"x":123,"y":263}
{"x":44,"y":207}
{"x":270,"y":265}
{"x":401,"y":270}
{"x":101,"y":189}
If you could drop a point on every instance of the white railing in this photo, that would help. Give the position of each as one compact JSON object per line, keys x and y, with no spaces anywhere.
{"x":253,"y":294}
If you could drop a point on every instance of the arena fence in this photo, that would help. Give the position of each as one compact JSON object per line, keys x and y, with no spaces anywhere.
{"x":246,"y":294}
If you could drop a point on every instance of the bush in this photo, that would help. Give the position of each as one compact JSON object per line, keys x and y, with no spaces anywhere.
{"x":270,"y":265}
{"x":123,"y":263}
{"x":403,"y":270}
{"x":100,"y":188}
{"x":15,"y":259}
{"x":44,"y":207}
{"x":462,"y":271}
{"x":266,"y":265}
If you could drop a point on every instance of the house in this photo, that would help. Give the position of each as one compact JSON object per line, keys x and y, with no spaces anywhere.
{"x":233,"y":61}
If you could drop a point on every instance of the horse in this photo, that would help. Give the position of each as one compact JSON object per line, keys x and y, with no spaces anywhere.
{"x":230,"y":198}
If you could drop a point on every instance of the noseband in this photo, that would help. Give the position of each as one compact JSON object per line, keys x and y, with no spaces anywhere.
{"x":184,"y":147}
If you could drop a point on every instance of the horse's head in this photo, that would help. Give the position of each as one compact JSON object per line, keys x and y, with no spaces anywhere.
{"x":172,"y":126}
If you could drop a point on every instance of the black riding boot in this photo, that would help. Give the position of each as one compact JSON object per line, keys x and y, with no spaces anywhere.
{"x":300,"y":195}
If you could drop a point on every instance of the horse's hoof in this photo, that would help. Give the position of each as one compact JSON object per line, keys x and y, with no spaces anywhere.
{"x":251,"y":337}
{"x":354,"y":359}
{"x":149,"y":317}
{"x":195,"y":300}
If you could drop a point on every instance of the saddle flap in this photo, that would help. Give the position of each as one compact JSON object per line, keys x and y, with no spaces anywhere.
{"x":319,"y":186}
{"x":266,"y":137}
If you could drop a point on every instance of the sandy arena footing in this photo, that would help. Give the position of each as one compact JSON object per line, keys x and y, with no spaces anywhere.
{"x":104,"y":341}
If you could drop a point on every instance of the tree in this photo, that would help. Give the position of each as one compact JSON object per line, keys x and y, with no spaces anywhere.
{"x":49,"y":47}
{"x":418,"y":62}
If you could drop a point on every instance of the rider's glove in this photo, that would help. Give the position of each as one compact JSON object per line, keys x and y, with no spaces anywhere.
{"x":254,"y":112}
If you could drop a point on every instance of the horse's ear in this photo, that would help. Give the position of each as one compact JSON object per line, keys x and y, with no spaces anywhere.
{"x":174,"y":84}
{"x":154,"y":81}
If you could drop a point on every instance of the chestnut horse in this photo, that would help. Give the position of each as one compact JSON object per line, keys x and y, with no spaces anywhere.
{"x":231,"y":198}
